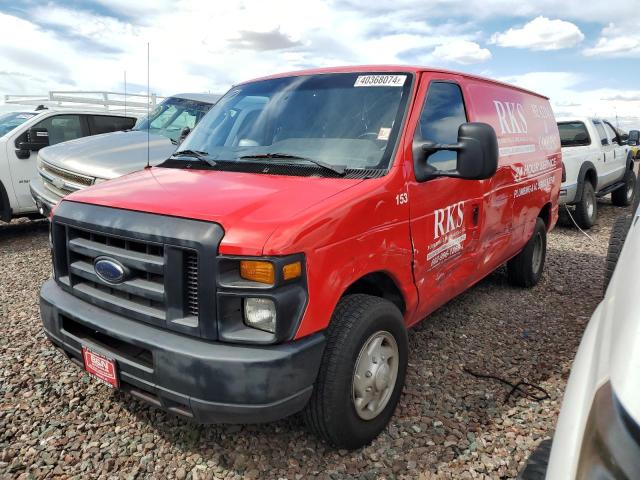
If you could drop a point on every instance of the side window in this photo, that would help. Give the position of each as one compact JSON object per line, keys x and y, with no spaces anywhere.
{"x":62,"y":128}
{"x":612,"y":133}
{"x":601,"y":133}
{"x":105,"y":123}
{"x":443,"y":112}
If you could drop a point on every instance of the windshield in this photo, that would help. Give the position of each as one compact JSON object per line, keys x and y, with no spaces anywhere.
{"x":9,"y":121}
{"x":573,"y":134}
{"x":348,"y":120}
{"x":172,"y":115}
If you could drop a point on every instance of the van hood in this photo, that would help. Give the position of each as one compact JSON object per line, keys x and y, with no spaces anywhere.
{"x":248,"y":206}
{"x":109,"y":155}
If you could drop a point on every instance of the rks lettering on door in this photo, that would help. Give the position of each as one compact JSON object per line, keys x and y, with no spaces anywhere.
{"x":448,"y":219}
{"x":448,"y":234}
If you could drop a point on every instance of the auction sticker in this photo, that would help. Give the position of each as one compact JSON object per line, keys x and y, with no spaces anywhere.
{"x":380,"y":81}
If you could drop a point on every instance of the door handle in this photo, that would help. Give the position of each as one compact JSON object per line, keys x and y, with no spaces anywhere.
{"x":475,"y":215}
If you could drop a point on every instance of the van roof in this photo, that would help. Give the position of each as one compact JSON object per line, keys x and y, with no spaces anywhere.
{"x":393,"y":68}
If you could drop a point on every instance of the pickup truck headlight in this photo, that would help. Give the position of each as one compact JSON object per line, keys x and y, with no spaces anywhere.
{"x":611,"y":441}
{"x":260,"y":313}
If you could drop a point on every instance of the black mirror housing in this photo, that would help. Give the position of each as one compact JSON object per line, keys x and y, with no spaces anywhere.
{"x":183,"y":134}
{"x":634,"y":137}
{"x":23,"y":153}
{"x":477,"y":150}
{"x":37,"y":138}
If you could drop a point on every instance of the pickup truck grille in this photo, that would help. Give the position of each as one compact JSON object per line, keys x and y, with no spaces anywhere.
{"x":62,"y":182}
{"x":142,"y":295}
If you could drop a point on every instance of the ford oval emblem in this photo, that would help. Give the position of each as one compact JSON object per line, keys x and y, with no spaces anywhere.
{"x":110,"y":270}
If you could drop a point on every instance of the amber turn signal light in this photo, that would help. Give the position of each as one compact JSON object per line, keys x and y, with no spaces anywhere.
{"x":258,"y":271}
{"x":292,"y":270}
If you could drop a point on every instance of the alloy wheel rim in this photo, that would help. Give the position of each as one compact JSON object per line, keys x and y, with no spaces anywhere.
{"x":375,"y":375}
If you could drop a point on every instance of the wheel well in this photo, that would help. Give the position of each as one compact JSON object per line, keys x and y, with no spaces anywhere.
{"x":592,"y":177}
{"x":545,"y":215}
{"x":5,"y":206}
{"x":378,"y":284}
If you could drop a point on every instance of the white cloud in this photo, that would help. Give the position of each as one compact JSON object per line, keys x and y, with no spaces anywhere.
{"x":204,"y":46}
{"x":569,"y":98}
{"x":461,"y":51}
{"x":617,"y":41}
{"x":541,"y":33}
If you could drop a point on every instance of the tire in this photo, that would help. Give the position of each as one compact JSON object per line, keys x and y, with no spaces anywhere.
{"x":331,"y":412}
{"x":616,"y":241}
{"x":623,"y":196}
{"x":537,"y":463}
{"x":525,"y":269}
{"x":586,"y":210}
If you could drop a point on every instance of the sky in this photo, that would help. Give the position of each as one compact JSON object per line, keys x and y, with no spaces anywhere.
{"x":584,"y":55}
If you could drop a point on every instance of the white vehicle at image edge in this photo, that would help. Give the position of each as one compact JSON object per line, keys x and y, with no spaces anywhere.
{"x":596,"y":161}
{"x":24,"y":133}
{"x":598,"y":431}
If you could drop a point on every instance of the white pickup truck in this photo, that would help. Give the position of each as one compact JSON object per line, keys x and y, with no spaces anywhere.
{"x":24,"y":133}
{"x":595,"y":161}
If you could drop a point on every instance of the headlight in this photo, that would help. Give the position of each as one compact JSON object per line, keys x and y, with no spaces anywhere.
{"x":260,"y":313}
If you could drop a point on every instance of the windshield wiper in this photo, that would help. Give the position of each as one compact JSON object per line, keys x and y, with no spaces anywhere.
{"x":339,"y":169}
{"x":202,"y":156}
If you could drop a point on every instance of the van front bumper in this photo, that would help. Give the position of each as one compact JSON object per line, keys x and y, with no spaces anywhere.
{"x":45,"y":200}
{"x":208,"y":381}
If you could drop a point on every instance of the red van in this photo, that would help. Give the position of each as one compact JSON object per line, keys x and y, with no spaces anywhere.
{"x":274,"y":263}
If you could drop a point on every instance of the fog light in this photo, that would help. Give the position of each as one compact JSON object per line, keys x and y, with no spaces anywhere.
{"x":260,"y":313}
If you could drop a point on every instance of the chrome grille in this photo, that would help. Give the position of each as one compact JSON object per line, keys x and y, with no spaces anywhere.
{"x":62,"y":181}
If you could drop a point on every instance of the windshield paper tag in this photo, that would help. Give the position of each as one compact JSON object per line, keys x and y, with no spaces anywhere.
{"x":380,"y":81}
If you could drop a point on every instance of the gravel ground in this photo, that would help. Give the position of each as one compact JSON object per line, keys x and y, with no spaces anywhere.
{"x":56,"y":422}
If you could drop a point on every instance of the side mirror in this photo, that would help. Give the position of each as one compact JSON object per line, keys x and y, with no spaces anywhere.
{"x":634,"y":137}
{"x":37,"y":138}
{"x":183,"y":134}
{"x":477,"y":152}
{"x":624,"y":139}
{"x":23,"y":154}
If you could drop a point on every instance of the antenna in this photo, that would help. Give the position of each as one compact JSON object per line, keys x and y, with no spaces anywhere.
{"x":125,"y":93}
{"x":148,"y":119}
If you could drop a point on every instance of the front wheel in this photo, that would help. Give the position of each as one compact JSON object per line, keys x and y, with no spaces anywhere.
{"x":525,"y":269}
{"x":623,"y":196}
{"x":362,"y":372}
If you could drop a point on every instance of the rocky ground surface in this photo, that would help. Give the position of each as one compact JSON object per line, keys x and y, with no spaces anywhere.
{"x":55,"y":422}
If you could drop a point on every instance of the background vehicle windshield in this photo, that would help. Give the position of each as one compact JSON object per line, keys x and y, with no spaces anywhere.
{"x":9,"y":121}
{"x":172,"y":115}
{"x":573,"y":134}
{"x":350,"y":120}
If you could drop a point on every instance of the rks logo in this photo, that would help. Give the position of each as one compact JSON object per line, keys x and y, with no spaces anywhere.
{"x":511,"y":117}
{"x":448,"y":219}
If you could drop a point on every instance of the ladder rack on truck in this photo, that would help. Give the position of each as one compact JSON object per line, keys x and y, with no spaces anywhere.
{"x":131,"y":103}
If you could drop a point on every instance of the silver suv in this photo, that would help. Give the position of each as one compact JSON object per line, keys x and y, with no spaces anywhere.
{"x":78,"y":164}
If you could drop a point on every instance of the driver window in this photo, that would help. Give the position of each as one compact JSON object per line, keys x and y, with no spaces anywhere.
{"x":442,"y":114}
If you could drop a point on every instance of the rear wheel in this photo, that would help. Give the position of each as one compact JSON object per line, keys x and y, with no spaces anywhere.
{"x":525,"y":269}
{"x":362,"y":372}
{"x":586,"y":210}
{"x":623,"y":197}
